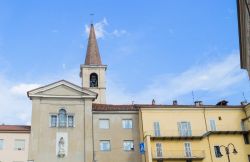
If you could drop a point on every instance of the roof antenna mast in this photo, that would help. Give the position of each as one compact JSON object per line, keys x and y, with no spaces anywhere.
{"x":193,"y":96}
{"x":243,"y":94}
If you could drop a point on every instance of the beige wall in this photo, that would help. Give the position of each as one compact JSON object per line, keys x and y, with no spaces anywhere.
{"x":9,"y":154}
{"x":43,"y":138}
{"x":116,"y":134}
{"x":86,"y":70}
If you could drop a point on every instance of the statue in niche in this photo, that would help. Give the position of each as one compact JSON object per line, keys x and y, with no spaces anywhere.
{"x":61,"y":152}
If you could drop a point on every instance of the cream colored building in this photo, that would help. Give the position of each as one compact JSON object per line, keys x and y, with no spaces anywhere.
{"x":14,"y":142}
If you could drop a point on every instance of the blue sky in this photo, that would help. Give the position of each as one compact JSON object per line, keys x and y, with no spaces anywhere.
{"x":154,"y":49}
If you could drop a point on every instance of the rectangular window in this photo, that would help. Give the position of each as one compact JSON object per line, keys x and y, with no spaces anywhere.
{"x":184,"y":129}
{"x":242,"y":125}
{"x":158,"y":150}
{"x":128,"y":145}
{"x":217,"y":151}
{"x":1,"y":144}
{"x":53,"y":121}
{"x":104,"y":123}
{"x":105,"y":145}
{"x":127,"y":123}
{"x":19,"y":144}
{"x":212,"y":125}
{"x":157,"y":129}
{"x":188,"y":151}
{"x":249,"y":158}
{"x":70,"y":121}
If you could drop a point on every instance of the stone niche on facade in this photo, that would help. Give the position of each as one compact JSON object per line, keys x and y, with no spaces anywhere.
{"x":61,"y":144}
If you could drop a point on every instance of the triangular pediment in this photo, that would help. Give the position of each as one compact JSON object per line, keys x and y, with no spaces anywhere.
{"x":62,"y":89}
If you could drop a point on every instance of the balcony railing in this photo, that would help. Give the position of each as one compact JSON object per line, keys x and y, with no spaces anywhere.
{"x":179,"y":154}
{"x":193,"y":133}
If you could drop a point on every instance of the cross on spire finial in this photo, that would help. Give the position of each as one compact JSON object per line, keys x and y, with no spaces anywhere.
{"x":91,"y":17}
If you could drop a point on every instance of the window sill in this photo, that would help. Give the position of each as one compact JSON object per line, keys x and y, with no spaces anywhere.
{"x":128,"y":150}
{"x":19,"y":150}
{"x":61,"y":127}
{"x":105,"y":150}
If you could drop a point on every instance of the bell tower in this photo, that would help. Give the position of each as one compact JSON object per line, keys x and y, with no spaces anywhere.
{"x":93,"y":72}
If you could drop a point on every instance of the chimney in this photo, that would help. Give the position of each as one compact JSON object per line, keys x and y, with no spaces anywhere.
{"x":153,"y":102}
{"x":198,"y":103}
{"x":222,"y":103}
{"x":175,"y":102}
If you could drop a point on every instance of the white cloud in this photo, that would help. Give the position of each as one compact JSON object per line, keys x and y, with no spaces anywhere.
{"x":99,"y":28}
{"x":213,"y":76}
{"x":101,"y":32}
{"x":22,"y":88}
{"x":15,"y":107}
{"x":119,"y":33}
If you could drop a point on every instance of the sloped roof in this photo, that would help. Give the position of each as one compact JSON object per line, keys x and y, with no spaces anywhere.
{"x":92,"y":55}
{"x":109,"y":107}
{"x":84,"y":92}
{"x":136,"y":107}
{"x":15,"y":128}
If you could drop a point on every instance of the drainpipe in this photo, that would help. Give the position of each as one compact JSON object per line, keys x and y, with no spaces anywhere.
{"x":142,"y":135}
{"x":208,"y":140}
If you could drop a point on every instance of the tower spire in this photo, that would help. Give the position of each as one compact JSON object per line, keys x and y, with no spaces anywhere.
{"x":92,"y":54}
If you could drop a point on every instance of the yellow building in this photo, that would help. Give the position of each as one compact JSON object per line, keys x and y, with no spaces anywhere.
{"x":185,"y":133}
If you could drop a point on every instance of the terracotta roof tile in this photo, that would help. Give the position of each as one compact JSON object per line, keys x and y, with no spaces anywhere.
{"x":108,"y":107}
{"x":15,"y":128}
{"x":187,"y":106}
{"x":136,"y":107}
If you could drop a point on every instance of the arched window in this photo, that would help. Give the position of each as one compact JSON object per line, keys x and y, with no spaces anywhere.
{"x":93,"y":80}
{"x":62,"y":118}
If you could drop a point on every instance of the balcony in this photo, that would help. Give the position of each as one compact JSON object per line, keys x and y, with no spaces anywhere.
{"x":246,"y":126}
{"x":192,"y":134}
{"x":179,"y":155}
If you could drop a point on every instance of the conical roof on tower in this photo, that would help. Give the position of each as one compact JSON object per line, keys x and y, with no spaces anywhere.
{"x":92,"y":56}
